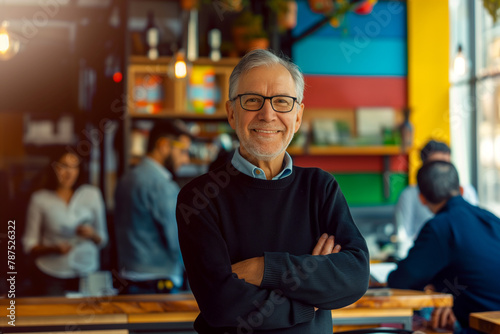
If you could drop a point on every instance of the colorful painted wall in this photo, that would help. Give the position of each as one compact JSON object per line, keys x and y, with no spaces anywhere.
{"x":428,"y":74}
{"x":363,"y":63}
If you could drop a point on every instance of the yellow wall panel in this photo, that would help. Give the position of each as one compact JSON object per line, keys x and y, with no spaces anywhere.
{"x":428,"y":81}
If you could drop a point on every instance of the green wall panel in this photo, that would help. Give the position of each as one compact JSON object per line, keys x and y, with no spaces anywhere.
{"x":368,"y":188}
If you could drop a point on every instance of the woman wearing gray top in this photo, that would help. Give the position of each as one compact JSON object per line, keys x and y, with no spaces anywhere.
{"x":65,"y":227}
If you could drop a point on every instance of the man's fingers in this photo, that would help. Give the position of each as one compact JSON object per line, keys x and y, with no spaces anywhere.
{"x":444,"y":318}
{"x":319,"y":245}
{"x":453,"y":319}
{"x":448,"y":318}
{"x":436,"y":316}
{"x":328,"y":246}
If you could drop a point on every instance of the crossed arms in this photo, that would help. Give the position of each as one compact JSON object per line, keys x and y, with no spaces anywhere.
{"x":252,"y":270}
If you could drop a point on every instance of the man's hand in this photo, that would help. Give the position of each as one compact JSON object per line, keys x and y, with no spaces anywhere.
{"x":326,"y":245}
{"x":251,"y":270}
{"x":443,"y":317}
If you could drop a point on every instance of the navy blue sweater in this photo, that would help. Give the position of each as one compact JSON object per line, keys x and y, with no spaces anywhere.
{"x":225,"y":217}
{"x":458,"y":251}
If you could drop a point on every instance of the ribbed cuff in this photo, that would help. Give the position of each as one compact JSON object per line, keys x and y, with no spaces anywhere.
{"x":303,"y":313}
{"x":274,"y":270}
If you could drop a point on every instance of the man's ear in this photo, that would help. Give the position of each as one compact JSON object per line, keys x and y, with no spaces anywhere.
{"x":298,"y":119}
{"x":163,"y":145}
{"x":230,"y":114}
{"x":461,"y":191}
{"x":422,"y":199}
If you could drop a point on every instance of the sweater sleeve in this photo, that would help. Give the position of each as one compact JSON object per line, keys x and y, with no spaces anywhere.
{"x":324,"y":281}
{"x":425,"y":260}
{"x":224,"y":299}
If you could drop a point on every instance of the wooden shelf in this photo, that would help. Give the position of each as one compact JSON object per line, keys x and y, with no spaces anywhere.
{"x":355,"y":150}
{"x":186,"y":115}
{"x":295,"y":150}
{"x":143,"y":60}
{"x":347,"y":150}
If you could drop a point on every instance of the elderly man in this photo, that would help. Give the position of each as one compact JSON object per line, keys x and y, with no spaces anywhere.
{"x":268,"y":247}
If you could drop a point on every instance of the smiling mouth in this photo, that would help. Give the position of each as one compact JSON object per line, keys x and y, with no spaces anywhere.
{"x":266,"y":131}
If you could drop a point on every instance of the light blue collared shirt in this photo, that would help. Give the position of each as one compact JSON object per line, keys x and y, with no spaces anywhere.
{"x":251,"y":170}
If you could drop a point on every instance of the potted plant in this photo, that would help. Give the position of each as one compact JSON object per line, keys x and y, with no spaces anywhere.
{"x":286,"y":12}
{"x":492,"y":7}
{"x":257,"y":40}
{"x":247,"y":27}
{"x":321,"y":6}
{"x":189,"y":4}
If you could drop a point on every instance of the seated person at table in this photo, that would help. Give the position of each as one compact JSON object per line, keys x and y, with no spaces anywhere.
{"x":456,"y":252}
{"x":65,"y":227}
{"x":149,"y":257}
{"x":410,"y":214}
{"x":258,"y":234}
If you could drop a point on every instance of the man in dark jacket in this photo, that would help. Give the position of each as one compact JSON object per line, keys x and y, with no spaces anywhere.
{"x":457,"y":251}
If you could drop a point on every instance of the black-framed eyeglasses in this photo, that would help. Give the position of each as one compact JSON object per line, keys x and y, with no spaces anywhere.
{"x":255,"y":102}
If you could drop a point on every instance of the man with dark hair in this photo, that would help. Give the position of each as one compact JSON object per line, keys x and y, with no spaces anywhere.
{"x":268,"y":247}
{"x":457,"y":251}
{"x":410,"y":214}
{"x":149,"y":257}
{"x":435,"y":150}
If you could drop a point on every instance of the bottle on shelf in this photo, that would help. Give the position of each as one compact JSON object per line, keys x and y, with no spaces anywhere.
{"x":406,"y":131}
{"x":152,"y":37}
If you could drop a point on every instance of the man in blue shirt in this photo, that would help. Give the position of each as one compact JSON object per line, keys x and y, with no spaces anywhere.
{"x":149,"y":258}
{"x":457,"y":251}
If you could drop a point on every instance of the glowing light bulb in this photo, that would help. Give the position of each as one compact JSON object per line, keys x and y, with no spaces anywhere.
{"x":180,"y":68}
{"x":9,"y":46}
{"x":4,"y":42}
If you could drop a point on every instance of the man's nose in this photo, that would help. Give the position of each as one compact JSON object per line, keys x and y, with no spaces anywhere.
{"x":267,"y":113}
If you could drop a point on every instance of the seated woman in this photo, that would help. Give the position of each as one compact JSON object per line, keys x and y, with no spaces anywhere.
{"x":65,"y":227}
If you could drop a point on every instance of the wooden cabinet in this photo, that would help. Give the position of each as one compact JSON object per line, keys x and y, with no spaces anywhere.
{"x":154,"y":92}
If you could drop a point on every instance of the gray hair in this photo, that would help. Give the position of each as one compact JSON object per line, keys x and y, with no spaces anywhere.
{"x":258,"y":58}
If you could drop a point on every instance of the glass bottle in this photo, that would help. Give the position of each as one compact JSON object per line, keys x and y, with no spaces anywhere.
{"x":406,"y":130}
{"x":152,"y":37}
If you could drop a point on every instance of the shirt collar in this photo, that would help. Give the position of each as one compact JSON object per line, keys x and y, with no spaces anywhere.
{"x":156,"y":165}
{"x":251,"y":170}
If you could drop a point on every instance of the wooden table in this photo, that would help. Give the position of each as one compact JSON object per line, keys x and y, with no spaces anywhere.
{"x":177,"y":312}
{"x":487,"y":322}
{"x":382,"y":306}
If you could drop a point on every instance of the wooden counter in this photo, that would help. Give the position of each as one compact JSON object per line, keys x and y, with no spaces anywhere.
{"x":383,"y":306}
{"x":153,"y":312}
{"x":487,"y":322}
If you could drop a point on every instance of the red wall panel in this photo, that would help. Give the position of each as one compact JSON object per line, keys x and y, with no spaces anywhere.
{"x":350,"y":92}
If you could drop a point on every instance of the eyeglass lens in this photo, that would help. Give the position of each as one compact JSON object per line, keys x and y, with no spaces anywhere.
{"x":252,"y":102}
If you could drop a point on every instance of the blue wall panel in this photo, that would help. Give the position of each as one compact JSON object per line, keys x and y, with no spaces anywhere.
{"x":352,"y":56}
